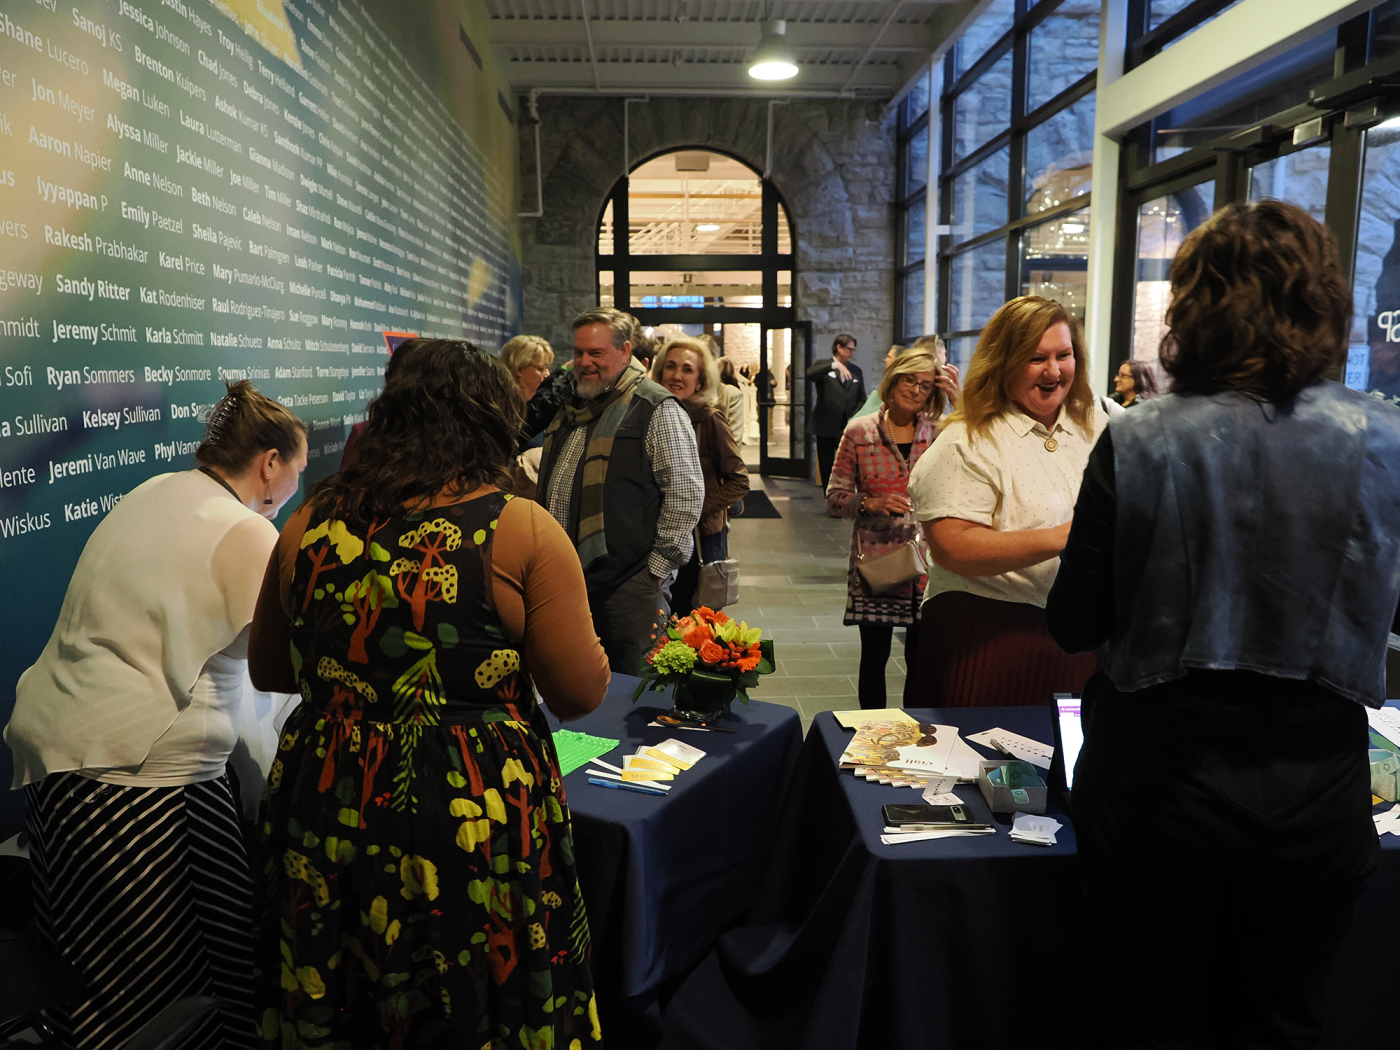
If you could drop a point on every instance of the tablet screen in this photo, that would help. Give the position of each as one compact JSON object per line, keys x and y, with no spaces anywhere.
{"x":1071,"y":734}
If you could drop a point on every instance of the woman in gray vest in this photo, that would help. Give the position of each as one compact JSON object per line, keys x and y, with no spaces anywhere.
{"x":1235,"y":543}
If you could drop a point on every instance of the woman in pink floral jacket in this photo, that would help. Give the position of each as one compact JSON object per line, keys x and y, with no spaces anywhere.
{"x":869,"y":482}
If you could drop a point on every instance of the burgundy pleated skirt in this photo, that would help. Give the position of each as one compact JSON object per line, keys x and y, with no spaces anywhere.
{"x":980,"y":652}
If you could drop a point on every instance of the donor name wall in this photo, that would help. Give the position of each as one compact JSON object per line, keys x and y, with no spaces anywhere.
{"x":201,"y":191}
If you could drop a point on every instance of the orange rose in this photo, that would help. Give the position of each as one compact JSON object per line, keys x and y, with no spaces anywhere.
{"x":712,"y":653}
{"x":698,"y":635}
{"x":684,"y":625}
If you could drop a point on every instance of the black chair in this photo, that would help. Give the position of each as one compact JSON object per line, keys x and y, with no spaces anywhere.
{"x":33,"y":978}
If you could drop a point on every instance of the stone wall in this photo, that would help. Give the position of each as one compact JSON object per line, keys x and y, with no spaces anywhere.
{"x":833,"y":164}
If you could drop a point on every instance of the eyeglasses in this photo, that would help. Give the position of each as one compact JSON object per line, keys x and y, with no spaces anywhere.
{"x":922,"y":386}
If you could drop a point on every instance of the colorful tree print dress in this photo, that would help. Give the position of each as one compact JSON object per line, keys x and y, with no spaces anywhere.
{"x":420,"y":877}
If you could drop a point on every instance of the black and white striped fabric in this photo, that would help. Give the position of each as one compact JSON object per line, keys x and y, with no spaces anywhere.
{"x":148,"y":892}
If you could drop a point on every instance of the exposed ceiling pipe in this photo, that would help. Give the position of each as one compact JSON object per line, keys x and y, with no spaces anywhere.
{"x":627,"y":132}
{"x":768,"y":156}
{"x":534,"y":111}
{"x":710,"y":92}
{"x":592,"y":57}
{"x":894,"y":10}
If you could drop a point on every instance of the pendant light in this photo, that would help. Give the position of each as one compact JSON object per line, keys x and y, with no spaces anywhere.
{"x":774,"y":58}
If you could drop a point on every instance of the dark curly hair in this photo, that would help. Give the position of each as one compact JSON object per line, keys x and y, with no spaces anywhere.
{"x":1259,"y":304}
{"x":448,"y":421}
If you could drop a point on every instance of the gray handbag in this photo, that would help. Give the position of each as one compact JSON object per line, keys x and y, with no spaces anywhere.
{"x":718,"y":585}
{"x":894,"y":568}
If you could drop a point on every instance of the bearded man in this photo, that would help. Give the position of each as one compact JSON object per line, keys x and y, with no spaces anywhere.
{"x":621,"y":474}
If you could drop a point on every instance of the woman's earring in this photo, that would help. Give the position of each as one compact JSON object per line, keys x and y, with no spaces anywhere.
{"x":267,"y":499}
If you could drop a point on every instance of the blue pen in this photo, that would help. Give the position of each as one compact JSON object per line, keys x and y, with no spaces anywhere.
{"x":624,"y":787}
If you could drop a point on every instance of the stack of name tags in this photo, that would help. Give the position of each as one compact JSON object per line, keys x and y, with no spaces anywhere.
{"x":889,"y":747}
{"x":648,"y":769}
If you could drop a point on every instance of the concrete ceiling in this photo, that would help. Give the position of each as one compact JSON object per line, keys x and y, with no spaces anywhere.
{"x":855,"y":48}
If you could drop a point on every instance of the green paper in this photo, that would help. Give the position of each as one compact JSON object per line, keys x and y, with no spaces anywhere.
{"x":575,"y":749}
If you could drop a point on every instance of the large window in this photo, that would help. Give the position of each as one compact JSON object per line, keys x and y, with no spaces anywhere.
{"x":911,"y":207}
{"x":1311,"y":127}
{"x":696,"y":242}
{"x":1016,"y":162}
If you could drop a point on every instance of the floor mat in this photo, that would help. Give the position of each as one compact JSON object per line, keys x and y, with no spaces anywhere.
{"x":758,"y":505}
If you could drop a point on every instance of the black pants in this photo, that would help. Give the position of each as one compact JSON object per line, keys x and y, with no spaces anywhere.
{"x":1224,"y":830}
{"x":826,"y":457}
{"x":625,"y":618}
{"x":875,"y":639}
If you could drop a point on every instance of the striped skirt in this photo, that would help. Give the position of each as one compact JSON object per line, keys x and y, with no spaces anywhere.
{"x":148,"y":893}
{"x":980,"y":652}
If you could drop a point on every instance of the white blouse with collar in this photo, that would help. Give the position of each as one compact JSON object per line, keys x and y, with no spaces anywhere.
{"x":1009,"y":480}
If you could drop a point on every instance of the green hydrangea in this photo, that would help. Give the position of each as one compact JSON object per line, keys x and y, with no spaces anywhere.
{"x":674,"y":658}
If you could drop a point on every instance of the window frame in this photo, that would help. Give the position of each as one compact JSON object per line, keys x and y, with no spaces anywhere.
{"x":1017,"y":41}
{"x":907,"y":329}
{"x":1144,"y":43}
{"x":1347,"y":105}
{"x":769,"y":262}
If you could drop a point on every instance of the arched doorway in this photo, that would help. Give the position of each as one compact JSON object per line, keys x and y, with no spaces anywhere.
{"x":698,"y":241}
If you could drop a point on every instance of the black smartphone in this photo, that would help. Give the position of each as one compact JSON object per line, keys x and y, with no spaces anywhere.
{"x":950,"y":816}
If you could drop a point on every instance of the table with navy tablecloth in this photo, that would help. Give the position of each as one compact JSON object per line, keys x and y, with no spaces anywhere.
{"x":948,"y":943}
{"x":663,"y":877}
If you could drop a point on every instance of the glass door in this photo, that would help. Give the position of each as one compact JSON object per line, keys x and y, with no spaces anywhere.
{"x":1164,"y":216}
{"x":1373,"y":361}
{"x":785,"y":354}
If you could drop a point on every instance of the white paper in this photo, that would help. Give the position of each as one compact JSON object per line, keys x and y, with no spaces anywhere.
{"x":939,"y":786}
{"x":925,"y":836}
{"x":964,"y":763}
{"x":945,"y":799}
{"x":1386,"y":722}
{"x":1017,"y":746}
{"x":1035,"y":829}
{"x":679,"y":749}
{"x":950,"y":757}
{"x":855,"y":719}
{"x":932,"y":760}
{"x":1388,"y":823}
{"x":688,"y":729}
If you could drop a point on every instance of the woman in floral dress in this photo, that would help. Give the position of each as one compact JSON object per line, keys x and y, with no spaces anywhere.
{"x":420,"y":887}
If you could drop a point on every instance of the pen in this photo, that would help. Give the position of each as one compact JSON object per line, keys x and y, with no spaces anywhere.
{"x":625,"y":787}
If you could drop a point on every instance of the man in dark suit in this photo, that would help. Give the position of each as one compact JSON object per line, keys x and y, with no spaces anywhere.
{"x":840,"y":391}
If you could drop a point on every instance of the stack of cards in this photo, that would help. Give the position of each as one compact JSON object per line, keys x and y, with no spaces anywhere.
{"x":1035,"y":830}
{"x":903,"y":753}
{"x":651,"y":765}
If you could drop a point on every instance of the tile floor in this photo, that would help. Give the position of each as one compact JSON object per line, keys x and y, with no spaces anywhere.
{"x":793,"y":585}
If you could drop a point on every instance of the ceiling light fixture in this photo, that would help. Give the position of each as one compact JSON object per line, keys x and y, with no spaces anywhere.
{"x":774,"y":58}
{"x":707,"y":227}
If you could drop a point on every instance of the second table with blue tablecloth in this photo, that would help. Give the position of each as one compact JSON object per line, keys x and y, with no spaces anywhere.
{"x":950,"y":943}
{"x":664,"y":877}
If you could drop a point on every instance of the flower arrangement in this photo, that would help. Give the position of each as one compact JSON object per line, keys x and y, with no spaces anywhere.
{"x":709,"y":658}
